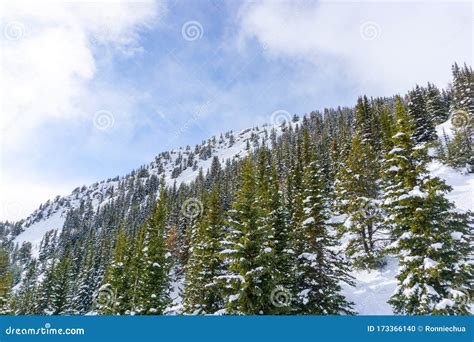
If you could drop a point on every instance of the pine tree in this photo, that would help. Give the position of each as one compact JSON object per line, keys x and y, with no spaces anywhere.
{"x":44,"y":293}
{"x":5,"y":283}
{"x":116,"y":283}
{"x":436,"y":105}
{"x":283,"y":252}
{"x":60,"y":286}
{"x":154,"y":280}
{"x":81,"y":302}
{"x":461,"y":148}
{"x":249,"y":276}
{"x":423,"y":128}
{"x":364,"y":117}
{"x":26,"y":296}
{"x":430,"y":238}
{"x":357,"y":197}
{"x":319,"y":269}
{"x":202,"y":293}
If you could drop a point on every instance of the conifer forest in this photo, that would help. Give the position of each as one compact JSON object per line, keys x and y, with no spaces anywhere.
{"x":289,"y":218}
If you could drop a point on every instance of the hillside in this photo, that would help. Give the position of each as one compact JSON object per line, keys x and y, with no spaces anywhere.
{"x":364,"y":210}
{"x":52,"y":214}
{"x":378,"y":285}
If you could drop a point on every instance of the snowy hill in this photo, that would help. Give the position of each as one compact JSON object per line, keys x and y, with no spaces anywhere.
{"x":176,"y":166}
{"x":372,"y":289}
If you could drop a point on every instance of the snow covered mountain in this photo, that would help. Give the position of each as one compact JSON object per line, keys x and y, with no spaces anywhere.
{"x":372,"y":288}
{"x":177,"y":166}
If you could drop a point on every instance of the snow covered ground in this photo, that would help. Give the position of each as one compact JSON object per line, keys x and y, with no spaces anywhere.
{"x":463,"y":184}
{"x":372,"y":289}
{"x":36,"y":231}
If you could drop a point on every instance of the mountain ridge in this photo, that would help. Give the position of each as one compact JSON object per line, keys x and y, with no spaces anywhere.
{"x":50,"y":215}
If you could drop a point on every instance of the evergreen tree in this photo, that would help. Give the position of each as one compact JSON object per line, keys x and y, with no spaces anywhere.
{"x":430,"y":238}
{"x":436,"y":105}
{"x":154,"y":282}
{"x":249,"y":274}
{"x":26,"y":296}
{"x":202,"y":293}
{"x":423,"y":128}
{"x":5,"y":282}
{"x":319,"y":269}
{"x":43,"y":305}
{"x":81,"y":302}
{"x":357,"y":197}
{"x":60,"y":279}
{"x":364,"y":118}
{"x":283,"y":253}
{"x":461,"y":148}
{"x":117,"y":280}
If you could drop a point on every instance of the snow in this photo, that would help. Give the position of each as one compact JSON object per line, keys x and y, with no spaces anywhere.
{"x":429,"y":263}
{"x":416,"y":192}
{"x":456,"y":236}
{"x":445,"y":128}
{"x":437,"y":245}
{"x":462,"y":184}
{"x":36,"y":231}
{"x":373,"y":289}
{"x":308,"y":221}
{"x":395,"y":150}
{"x":444,"y":303}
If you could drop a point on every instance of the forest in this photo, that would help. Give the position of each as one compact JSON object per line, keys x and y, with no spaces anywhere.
{"x":276,"y":229}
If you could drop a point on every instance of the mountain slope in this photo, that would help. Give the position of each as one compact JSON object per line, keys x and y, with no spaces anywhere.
{"x":52,"y":214}
{"x":372,"y":288}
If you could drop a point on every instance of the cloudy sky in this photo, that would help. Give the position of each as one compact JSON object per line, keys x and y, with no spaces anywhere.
{"x":93,"y":89}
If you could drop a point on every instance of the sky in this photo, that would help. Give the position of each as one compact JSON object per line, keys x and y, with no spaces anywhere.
{"x":93,"y":89}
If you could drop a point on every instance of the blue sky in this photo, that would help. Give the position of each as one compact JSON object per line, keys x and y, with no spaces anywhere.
{"x":157,"y":87}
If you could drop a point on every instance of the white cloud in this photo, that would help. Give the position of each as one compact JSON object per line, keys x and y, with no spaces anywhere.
{"x":47,"y":61}
{"x":47,"y":55}
{"x":387,"y":47}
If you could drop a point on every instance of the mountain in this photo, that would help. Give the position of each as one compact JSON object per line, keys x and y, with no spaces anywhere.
{"x":346,"y":211}
{"x":176,"y":166}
